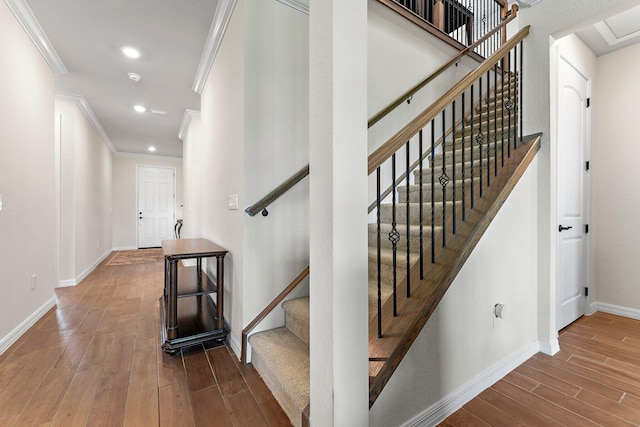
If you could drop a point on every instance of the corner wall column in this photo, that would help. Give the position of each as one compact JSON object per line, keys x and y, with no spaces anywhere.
{"x":338,"y":213}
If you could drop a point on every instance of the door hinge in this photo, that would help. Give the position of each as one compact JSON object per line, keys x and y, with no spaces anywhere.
{"x":586,"y":228}
{"x":588,"y":165}
{"x":586,"y":292}
{"x":588,"y":102}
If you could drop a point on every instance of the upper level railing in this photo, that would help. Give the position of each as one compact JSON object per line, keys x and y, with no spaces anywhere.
{"x":466,"y":21}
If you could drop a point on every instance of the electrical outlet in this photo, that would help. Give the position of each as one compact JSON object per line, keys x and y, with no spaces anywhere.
{"x":98,"y":244}
{"x":33,"y":282}
{"x":0,"y":202}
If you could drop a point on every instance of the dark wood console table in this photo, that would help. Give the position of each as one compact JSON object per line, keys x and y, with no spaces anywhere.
{"x":188,"y":314}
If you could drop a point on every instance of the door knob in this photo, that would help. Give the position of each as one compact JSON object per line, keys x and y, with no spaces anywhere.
{"x":561,"y":228}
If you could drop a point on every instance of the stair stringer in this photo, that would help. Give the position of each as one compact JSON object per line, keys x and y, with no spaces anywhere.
{"x":399,"y":333}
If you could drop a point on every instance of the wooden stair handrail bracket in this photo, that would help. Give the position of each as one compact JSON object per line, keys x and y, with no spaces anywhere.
{"x":268,"y":309}
{"x":378,"y":157}
{"x":261,"y":205}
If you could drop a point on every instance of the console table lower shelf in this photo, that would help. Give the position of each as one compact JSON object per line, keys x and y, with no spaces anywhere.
{"x":196,"y":320}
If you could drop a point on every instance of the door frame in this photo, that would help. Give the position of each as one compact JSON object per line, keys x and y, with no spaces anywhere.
{"x":560,"y":56}
{"x":137,"y":204}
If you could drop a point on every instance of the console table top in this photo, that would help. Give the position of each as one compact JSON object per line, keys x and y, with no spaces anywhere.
{"x":191,"y":248}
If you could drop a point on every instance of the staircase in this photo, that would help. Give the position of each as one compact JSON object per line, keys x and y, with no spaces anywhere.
{"x":427,"y":228}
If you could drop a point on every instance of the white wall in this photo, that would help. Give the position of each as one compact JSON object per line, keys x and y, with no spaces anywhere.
{"x":222,"y":161}
{"x":551,"y":20}
{"x":615,"y":176}
{"x":125,"y":223}
{"x":253,"y":135}
{"x":85,"y":190}
{"x":27,"y":219}
{"x":191,"y":184}
{"x":276,"y":147}
{"x":462,"y":341}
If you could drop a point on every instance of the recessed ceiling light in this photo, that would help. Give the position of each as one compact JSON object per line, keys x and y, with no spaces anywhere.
{"x":152,"y":148}
{"x":130,"y":52}
{"x":134,"y":76}
{"x":140,"y":108}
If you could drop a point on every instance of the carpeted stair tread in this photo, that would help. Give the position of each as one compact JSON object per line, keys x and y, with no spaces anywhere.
{"x":282,"y":359}
{"x":296,"y":317}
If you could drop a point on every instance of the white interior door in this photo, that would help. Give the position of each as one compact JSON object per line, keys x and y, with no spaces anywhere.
{"x":573,"y":139}
{"x":156,"y":205}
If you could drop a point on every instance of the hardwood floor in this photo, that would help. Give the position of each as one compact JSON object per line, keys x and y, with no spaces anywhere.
{"x":594,"y":380}
{"x":96,"y":360}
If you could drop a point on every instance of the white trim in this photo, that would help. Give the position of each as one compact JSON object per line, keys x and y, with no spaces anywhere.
{"x":85,"y":108}
{"x":297,"y":5}
{"x":219,"y":25}
{"x":632,"y":313}
{"x":124,"y":248}
{"x":186,"y":122}
{"x":235,"y":345}
{"x":67,"y":283}
{"x":454,"y":401}
{"x":608,"y":35}
{"x":32,"y":27}
{"x":593,"y":307}
{"x":146,"y":156}
{"x":84,"y":274}
{"x":549,"y":348}
{"x":13,"y":336}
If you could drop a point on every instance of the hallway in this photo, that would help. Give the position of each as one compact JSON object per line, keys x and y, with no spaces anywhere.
{"x":95,"y":360}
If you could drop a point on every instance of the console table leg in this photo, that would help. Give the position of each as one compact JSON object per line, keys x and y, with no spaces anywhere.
{"x":220,"y":293}
{"x":172,"y":301}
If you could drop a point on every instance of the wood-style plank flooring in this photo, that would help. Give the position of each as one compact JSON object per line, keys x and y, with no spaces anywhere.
{"x":594,"y":380}
{"x":96,"y":360}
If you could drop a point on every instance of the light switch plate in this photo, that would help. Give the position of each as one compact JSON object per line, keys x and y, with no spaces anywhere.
{"x":233,"y":202}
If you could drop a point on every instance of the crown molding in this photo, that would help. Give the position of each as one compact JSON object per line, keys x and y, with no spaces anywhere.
{"x":186,"y":122}
{"x":31,"y":26}
{"x":297,"y":5}
{"x":219,"y":26}
{"x":85,"y":108}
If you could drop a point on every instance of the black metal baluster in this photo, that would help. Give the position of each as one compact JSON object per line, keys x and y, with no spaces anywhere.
{"x":480,"y":137}
{"x":502,"y":113}
{"x":444,"y":179}
{"x":488,"y":130}
{"x":379,"y":254}
{"x":420,"y":198}
{"x":433,"y":191}
{"x":495,"y":119}
{"x":453,"y":162}
{"x":464,"y":184}
{"x":521,"y":81}
{"x":473,"y":129}
{"x":407,"y":172}
{"x":394,"y":236}
{"x":509,"y":106}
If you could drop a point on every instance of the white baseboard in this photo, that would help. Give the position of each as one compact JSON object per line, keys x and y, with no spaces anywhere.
{"x":454,"y":401}
{"x":632,"y":313}
{"x":593,"y":307}
{"x":549,"y":348}
{"x":125,"y":248}
{"x":66,"y":283}
{"x":84,"y":274}
{"x":235,"y":344}
{"x":13,"y":336}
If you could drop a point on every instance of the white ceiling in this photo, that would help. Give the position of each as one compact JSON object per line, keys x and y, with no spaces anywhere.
{"x":613,"y":33}
{"x":171,"y":35}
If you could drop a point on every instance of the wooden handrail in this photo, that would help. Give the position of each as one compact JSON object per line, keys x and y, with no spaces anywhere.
{"x":261,"y":205}
{"x":379,"y":156}
{"x":273,"y":304}
{"x":466,"y":51}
